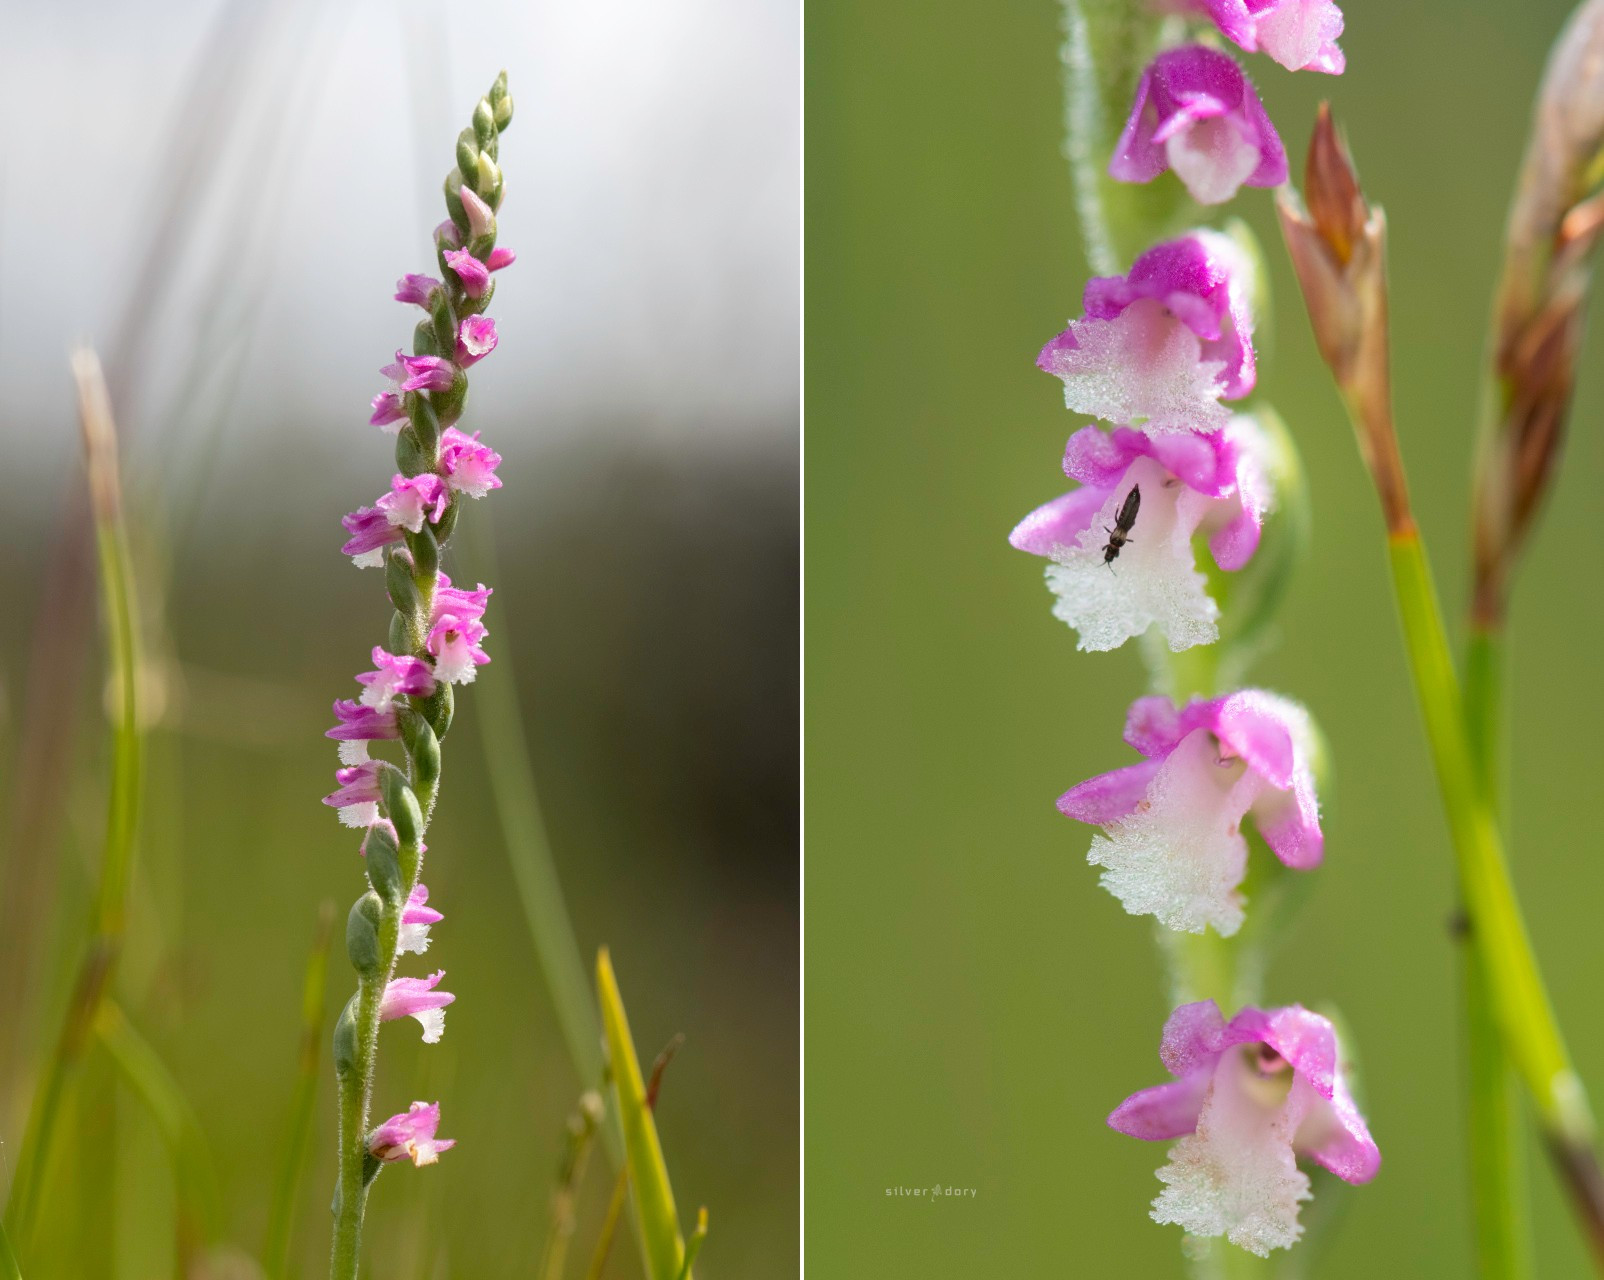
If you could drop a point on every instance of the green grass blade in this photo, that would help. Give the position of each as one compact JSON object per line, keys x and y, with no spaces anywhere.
{"x":200,"y":1214}
{"x":523,"y":829}
{"x":106,"y":924}
{"x":303,"y":1109}
{"x":661,"y":1243}
{"x":9,"y":1270}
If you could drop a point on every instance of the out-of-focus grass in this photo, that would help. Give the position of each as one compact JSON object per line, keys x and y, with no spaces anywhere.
{"x":656,"y":659}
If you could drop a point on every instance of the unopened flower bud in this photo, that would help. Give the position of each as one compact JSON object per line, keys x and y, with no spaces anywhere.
{"x":468,"y":155}
{"x":411,"y":459}
{"x":398,"y":581}
{"x":422,"y":746}
{"x":362,"y":934}
{"x":488,"y":173}
{"x":484,"y":123}
{"x":384,"y":866}
{"x":402,"y":806}
{"x":504,"y":113}
{"x":425,"y":553}
{"x":345,"y":1039}
{"x":1338,"y":245}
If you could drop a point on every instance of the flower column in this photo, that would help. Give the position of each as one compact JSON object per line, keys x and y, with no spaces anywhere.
{"x":435,"y":641}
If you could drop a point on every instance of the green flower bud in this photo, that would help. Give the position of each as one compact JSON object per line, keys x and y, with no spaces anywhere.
{"x":487,"y":177}
{"x":398,"y":582}
{"x":425,"y":343}
{"x":426,"y":425}
{"x":362,"y":934}
{"x":402,"y":806}
{"x":384,"y":867}
{"x":504,"y":113}
{"x":410,"y":457}
{"x":345,"y":1039}
{"x":400,"y":639}
{"x":498,"y":90}
{"x":447,"y":522}
{"x":425,"y":554}
{"x":438,"y":709}
{"x":451,"y":186}
{"x":449,"y":404}
{"x":443,"y":321}
{"x":422,"y":746}
{"x":468,"y":155}
{"x":484,"y":124}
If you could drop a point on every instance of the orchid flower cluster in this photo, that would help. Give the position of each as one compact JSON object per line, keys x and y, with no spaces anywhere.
{"x":435,"y":642}
{"x":1164,"y":355}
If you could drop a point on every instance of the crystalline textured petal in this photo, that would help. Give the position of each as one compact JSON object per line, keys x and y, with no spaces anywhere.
{"x":1143,"y":367}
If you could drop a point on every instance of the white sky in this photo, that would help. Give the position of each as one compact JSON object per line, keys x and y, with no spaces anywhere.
{"x":653,"y":185}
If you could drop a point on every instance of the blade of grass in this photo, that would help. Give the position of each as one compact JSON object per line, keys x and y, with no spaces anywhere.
{"x":9,"y":1270}
{"x":661,"y":1244}
{"x":106,"y":923}
{"x":303,"y":1110}
{"x":200,"y":1215}
{"x":523,"y":829}
{"x":609,"y":1227}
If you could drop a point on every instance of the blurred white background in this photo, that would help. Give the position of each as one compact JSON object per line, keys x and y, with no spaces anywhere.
{"x":283,"y":159}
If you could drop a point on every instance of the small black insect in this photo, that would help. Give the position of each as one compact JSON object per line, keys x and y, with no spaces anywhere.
{"x":1124,"y":522}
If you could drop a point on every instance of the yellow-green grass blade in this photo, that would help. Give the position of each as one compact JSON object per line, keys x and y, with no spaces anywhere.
{"x":661,"y":1244}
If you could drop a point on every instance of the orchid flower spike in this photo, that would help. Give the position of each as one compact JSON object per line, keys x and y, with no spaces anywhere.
{"x":1160,"y":347}
{"x":417,"y":998}
{"x":1186,"y":483}
{"x":1172,"y":844}
{"x":1250,"y":1095}
{"x":1299,"y":34}
{"x":410,"y":1136}
{"x":1196,"y":113}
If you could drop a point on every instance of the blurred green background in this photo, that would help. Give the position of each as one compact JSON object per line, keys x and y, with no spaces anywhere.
{"x":248,"y":178}
{"x":975,"y":1004}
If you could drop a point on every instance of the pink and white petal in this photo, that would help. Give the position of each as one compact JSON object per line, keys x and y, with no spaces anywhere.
{"x":1139,"y":368}
{"x":1236,"y":1175}
{"x":1138,"y":157}
{"x":1163,"y":1112}
{"x":1259,"y":727}
{"x":1155,"y":582}
{"x":1213,"y":158}
{"x":1153,"y":726}
{"x":1193,"y":1037}
{"x":1301,"y":35}
{"x":1180,"y":857}
{"x":1334,"y":1135}
{"x":1055,"y":528}
{"x":1110,"y":796}
{"x":1101,"y":458}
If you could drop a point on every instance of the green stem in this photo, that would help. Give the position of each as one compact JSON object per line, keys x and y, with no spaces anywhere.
{"x":1517,"y":999}
{"x":1520,"y":999}
{"x":1496,"y":1137}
